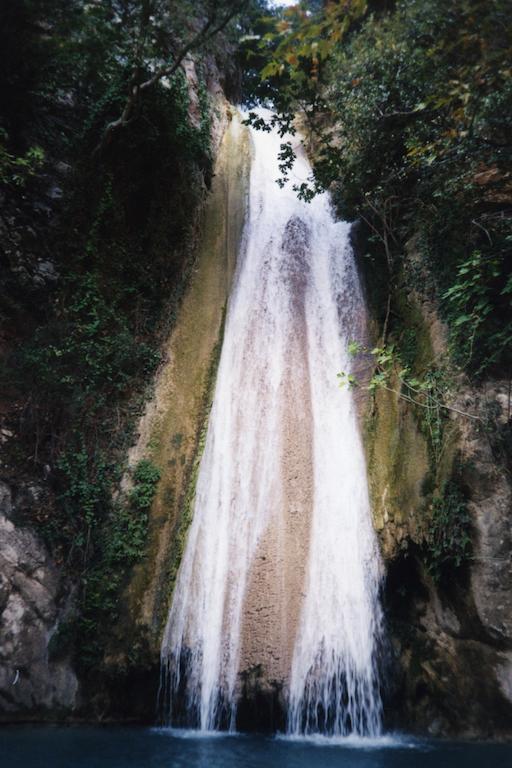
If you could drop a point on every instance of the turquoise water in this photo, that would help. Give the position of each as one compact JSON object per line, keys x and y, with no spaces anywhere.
{"x":87,"y":747}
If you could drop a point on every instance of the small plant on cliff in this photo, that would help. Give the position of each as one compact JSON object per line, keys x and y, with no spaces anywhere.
{"x":83,"y":480}
{"x":145,"y":477}
{"x":476,"y":304}
{"x":123,"y":539}
{"x":429,"y":391}
{"x":448,"y":539}
{"x":17,"y":170}
{"x":127,"y":532}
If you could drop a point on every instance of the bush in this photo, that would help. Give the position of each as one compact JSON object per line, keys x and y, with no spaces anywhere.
{"x":448,"y":538}
{"x":421,"y":102}
{"x":122,"y":541}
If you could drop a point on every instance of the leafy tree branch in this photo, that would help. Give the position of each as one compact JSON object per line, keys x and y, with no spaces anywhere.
{"x":217,"y":19}
{"x":388,"y":367}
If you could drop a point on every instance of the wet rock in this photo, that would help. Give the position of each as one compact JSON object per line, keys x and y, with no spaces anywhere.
{"x":453,"y":672}
{"x":194,"y":108}
{"x":5,"y":500}
{"x":63,"y":169}
{"x":55,"y":192}
{"x":46,"y":270}
{"x":31,"y":686}
{"x":29,"y":496}
{"x":504,"y":675}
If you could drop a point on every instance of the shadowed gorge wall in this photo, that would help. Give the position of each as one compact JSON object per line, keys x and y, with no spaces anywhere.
{"x":97,"y":251}
{"x":449,"y":667}
{"x":171,"y":431}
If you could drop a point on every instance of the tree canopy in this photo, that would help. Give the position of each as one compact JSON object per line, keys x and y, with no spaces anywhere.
{"x":407,"y":108}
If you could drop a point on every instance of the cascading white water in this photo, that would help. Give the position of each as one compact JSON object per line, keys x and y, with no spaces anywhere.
{"x":296,"y":271}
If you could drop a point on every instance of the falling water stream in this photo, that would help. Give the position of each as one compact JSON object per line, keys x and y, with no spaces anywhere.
{"x":282,"y":453}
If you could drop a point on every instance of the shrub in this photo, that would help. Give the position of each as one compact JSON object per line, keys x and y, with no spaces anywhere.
{"x":448,"y":537}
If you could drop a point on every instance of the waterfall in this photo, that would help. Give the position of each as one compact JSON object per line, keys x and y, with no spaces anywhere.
{"x":283,"y":460}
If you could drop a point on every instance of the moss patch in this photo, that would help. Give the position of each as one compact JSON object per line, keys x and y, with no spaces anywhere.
{"x":410,"y":451}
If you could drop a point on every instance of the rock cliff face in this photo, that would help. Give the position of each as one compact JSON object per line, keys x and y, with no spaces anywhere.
{"x":38,"y":680}
{"x":452,"y":639}
{"x":450,"y":661}
{"x":171,"y":431}
{"x":32,"y":602}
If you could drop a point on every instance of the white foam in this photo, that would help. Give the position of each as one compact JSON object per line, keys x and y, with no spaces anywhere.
{"x":353,"y":741}
{"x":194,"y":733}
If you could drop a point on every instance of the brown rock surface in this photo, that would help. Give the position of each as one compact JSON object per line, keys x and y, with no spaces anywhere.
{"x":32,"y":686}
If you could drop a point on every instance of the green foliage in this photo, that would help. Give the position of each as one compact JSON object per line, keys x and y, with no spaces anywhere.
{"x":120,"y":248}
{"x":448,"y":538}
{"x":482,"y":288}
{"x":422,"y":148}
{"x":347,"y":379}
{"x":410,"y":123}
{"x":429,"y":392}
{"x":124,"y":259}
{"x":121,"y":243}
{"x":86,"y":355}
{"x":296,"y":42}
{"x":145,"y":478}
{"x":83,"y":480}
{"x":16,"y":170}
{"x":125,"y":541}
{"x":312,"y":31}
{"x":122,"y":544}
